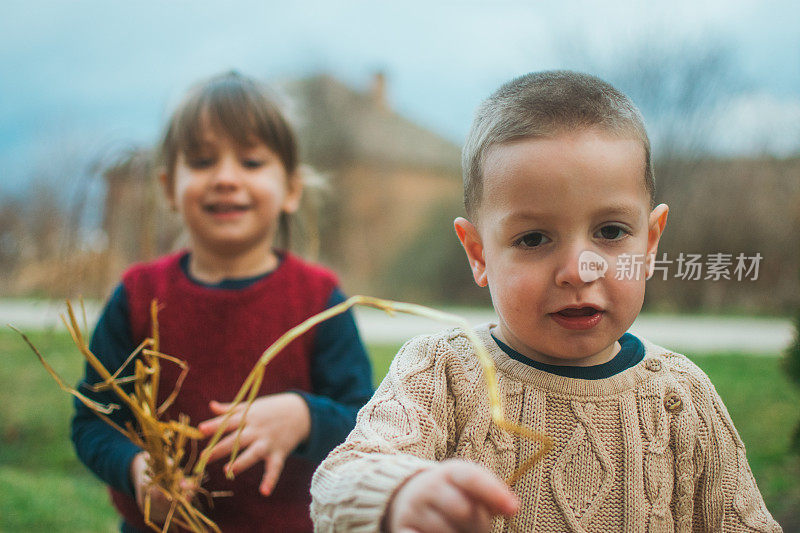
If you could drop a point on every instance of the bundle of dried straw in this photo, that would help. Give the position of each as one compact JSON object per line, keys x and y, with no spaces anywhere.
{"x":171,"y":444}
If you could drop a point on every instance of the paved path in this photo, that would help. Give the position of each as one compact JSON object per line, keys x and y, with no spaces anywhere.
{"x":682,"y":333}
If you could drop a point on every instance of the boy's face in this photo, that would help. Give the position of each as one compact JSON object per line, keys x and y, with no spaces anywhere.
{"x":230,"y":197}
{"x":545,"y":202}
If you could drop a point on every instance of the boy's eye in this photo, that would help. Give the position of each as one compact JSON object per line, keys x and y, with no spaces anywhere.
{"x":252,"y":163}
{"x":611,"y":232}
{"x":532,"y":240}
{"x":200,"y":162}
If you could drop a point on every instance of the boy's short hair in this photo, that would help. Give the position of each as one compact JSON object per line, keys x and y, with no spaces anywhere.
{"x":542,"y":104}
{"x":236,"y":106}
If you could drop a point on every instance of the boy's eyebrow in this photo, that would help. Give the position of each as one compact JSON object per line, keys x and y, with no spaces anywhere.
{"x":621,"y":210}
{"x":625,"y":210}
{"x":523,"y":216}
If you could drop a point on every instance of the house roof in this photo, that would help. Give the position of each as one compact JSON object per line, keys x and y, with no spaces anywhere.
{"x":337,"y":124}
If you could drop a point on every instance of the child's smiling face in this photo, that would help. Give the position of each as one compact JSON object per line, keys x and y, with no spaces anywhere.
{"x":544,"y":202}
{"x":230,"y":196}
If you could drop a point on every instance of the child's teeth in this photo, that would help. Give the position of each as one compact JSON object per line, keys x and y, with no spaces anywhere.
{"x":583,"y":311}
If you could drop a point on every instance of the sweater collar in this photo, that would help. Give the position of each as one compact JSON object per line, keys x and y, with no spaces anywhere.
{"x":631,"y":353}
{"x":652,"y":365}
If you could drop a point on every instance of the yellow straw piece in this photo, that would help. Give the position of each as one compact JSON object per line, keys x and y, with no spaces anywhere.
{"x":249,"y":389}
{"x":166,"y":441}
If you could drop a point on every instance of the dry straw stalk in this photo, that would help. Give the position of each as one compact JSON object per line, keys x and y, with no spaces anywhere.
{"x":249,"y":389}
{"x":167,"y":441}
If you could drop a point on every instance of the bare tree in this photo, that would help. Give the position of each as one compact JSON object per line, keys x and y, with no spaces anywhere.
{"x":678,"y":88}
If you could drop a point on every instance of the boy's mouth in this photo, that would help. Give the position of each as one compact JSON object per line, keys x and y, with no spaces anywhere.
{"x":578,"y":311}
{"x":221,"y":209}
{"x":582,"y":317}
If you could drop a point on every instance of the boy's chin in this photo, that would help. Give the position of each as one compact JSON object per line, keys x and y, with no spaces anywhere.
{"x":576,"y":356}
{"x":579,"y":349}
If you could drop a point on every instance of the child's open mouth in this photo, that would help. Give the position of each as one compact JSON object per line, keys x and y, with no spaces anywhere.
{"x":584,"y":317}
{"x":225,"y":209}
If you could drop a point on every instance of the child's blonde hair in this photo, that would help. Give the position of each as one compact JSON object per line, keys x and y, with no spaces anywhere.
{"x":542,"y":104}
{"x":241,"y":109}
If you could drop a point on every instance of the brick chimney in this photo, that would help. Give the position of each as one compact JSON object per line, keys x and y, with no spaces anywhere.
{"x":377,"y":90}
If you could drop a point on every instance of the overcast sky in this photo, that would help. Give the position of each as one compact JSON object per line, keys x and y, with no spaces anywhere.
{"x":81,"y":78}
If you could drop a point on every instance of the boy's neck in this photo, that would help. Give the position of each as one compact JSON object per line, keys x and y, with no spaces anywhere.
{"x":212,"y":268}
{"x":599,"y":358}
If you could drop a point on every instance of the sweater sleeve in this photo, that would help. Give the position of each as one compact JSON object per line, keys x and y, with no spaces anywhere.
{"x":341,"y":379}
{"x":103,"y":449}
{"x":402,"y":430}
{"x":726,"y":495}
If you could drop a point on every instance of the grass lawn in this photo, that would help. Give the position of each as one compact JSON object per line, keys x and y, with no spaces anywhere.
{"x":44,"y":488}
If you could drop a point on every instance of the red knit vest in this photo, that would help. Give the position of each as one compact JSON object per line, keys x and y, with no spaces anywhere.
{"x":221,"y":334}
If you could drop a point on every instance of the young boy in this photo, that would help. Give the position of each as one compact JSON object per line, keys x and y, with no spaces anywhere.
{"x":557,"y":176}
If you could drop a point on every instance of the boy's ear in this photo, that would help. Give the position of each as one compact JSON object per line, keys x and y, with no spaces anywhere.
{"x":294,"y":192}
{"x":471,"y":241}
{"x":169,"y":189}
{"x":656,"y":224}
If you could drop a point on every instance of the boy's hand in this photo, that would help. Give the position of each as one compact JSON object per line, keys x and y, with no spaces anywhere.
{"x":454,"y":495}
{"x":275,"y":425}
{"x":142,"y":486}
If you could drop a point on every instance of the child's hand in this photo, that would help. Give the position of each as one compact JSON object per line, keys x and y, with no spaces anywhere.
{"x":454,"y":495}
{"x":159,"y":502}
{"x":275,"y":425}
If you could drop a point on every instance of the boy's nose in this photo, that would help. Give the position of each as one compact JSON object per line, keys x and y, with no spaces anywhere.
{"x":568,"y":270}
{"x":226,"y":173}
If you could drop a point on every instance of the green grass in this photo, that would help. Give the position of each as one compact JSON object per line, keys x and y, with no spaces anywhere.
{"x":381,"y":356}
{"x":43,"y":487}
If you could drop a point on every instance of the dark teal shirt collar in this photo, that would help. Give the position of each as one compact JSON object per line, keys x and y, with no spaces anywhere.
{"x":630,"y":354}
{"x":228,"y":283}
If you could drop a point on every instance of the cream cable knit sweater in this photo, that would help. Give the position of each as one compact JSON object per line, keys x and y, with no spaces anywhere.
{"x":651,"y":449}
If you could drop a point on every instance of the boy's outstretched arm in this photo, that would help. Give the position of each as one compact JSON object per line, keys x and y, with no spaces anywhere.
{"x":402,"y":433}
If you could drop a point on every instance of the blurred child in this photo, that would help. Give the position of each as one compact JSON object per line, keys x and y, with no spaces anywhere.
{"x":556,"y":166}
{"x":231,"y":171}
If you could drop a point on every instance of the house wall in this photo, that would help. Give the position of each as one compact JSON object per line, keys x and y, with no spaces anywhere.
{"x":382,"y":211}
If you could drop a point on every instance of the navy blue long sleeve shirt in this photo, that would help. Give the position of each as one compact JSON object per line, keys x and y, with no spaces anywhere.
{"x":341,"y":378}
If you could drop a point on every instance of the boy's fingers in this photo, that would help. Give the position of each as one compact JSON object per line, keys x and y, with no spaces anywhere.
{"x":484,"y":487}
{"x":188,"y":487}
{"x":273,"y":466}
{"x":209,"y":427}
{"x":429,"y":519}
{"x":225,"y":446}
{"x":212,"y":425}
{"x":483,"y":519}
{"x":454,"y":505}
{"x":157,"y":497}
{"x":159,"y":504}
{"x":219,"y":408}
{"x":247,"y":458}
